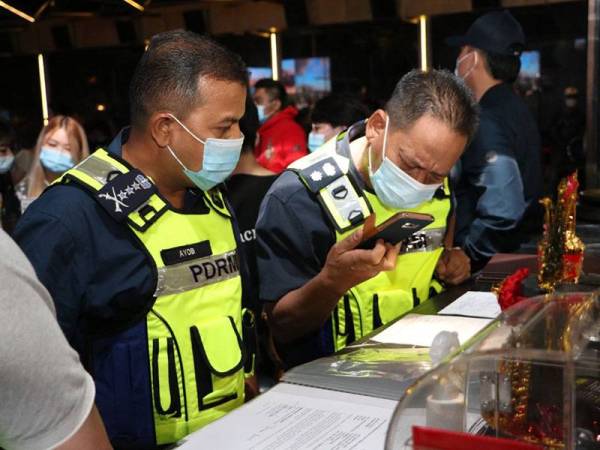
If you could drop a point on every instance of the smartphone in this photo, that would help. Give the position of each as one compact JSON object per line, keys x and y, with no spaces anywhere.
{"x":397,"y":228}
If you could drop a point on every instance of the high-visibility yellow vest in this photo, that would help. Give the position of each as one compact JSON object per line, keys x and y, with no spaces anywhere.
{"x":194,"y":327}
{"x":326,"y":173}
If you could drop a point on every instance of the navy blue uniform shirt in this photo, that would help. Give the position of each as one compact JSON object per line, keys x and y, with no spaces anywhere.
{"x":293,"y":233}
{"x":498,"y":178}
{"x":99,"y":277}
{"x":293,"y":237}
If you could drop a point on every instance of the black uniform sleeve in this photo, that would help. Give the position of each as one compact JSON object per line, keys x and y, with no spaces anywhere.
{"x":59,"y":262}
{"x":293,"y":238}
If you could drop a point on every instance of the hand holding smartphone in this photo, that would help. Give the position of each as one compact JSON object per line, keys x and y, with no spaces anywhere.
{"x":397,"y":228}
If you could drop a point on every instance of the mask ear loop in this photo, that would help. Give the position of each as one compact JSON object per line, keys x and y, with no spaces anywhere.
{"x":385,"y":136}
{"x":186,"y":128}
{"x":387,"y":123}
{"x":470,"y":71}
{"x":176,"y":158}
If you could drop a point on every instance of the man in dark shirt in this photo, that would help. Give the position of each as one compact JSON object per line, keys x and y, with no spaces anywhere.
{"x":398,"y":159}
{"x":132,"y":297}
{"x":498,"y":178}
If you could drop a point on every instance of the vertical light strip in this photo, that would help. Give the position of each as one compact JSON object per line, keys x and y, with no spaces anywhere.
{"x":44,"y":96}
{"x":423,"y":41}
{"x":14,"y":10}
{"x":135,"y":5}
{"x":274,"y":56}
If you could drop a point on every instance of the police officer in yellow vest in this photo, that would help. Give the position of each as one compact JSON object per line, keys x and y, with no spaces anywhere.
{"x":320,"y":292}
{"x":138,"y":248}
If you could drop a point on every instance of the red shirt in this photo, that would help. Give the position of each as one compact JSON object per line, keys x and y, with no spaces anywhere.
{"x":281,"y":141}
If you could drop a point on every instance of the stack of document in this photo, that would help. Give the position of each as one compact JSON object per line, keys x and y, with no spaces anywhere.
{"x":296,"y":417}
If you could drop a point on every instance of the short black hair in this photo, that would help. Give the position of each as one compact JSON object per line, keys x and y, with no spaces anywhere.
{"x":435,"y":92}
{"x":249,"y":124}
{"x":275,"y":90}
{"x":7,"y":135}
{"x":166,"y":77}
{"x":339,"y":110}
{"x":502,"y":67}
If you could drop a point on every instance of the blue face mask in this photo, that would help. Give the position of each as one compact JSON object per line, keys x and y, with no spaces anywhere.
{"x":6,"y":163}
{"x":56,"y":161}
{"x":315,"y":140}
{"x":220,"y":158}
{"x":261,"y":113}
{"x":394,"y":187}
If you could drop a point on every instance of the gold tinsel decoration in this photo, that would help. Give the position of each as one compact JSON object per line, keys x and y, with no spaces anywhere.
{"x":560,"y":252}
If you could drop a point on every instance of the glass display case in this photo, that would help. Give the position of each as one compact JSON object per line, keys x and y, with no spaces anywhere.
{"x":531,"y":380}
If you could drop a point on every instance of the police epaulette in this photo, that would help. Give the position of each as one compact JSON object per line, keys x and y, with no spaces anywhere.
{"x":320,"y":174}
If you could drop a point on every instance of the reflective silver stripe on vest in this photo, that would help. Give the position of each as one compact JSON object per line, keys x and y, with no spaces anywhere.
{"x":96,"y":168}
{"x":193,"y":274}
{"x":425,"y":241}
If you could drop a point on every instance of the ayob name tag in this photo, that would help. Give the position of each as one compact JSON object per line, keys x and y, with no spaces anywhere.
{"x":185,"y":253}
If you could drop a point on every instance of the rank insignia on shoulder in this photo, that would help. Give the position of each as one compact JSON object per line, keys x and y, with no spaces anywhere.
{"x":125,"y":193}
{"x":321,"y":174}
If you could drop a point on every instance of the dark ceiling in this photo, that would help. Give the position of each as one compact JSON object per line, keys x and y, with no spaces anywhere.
{"x":43,"y":9}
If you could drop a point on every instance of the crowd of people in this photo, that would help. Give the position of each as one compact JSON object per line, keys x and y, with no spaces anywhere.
{"x":214,"y":244}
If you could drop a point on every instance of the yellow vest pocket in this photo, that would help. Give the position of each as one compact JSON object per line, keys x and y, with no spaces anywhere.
{"x":218,"y":355}
{"x":392,"y":304}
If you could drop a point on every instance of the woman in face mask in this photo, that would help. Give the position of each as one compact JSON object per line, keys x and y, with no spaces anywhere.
{"x":60,"y":146}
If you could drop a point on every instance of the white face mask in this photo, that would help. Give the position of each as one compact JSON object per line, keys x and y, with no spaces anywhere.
{"x":394,"y":187}
{"x":461,"y":59}
{"x":220,"y":158}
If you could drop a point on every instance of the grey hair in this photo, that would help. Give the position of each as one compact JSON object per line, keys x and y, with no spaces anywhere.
{"x":435,"y":92}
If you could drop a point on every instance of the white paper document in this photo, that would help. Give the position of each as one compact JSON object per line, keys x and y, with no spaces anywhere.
{"x":297,"y":417}
{"x":420,"y":329}
{"x":474,"y":304}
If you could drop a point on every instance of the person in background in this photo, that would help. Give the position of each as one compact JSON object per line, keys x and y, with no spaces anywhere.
{"x":10,"y":207}
{"x":47,"y":396}
{"x":245,"y":190}
{"x":320,"y":292}
{"x":333,"y":114}
{"x":498,"y":180}
{"x":60,"y":146}
{"x":281,"y":139}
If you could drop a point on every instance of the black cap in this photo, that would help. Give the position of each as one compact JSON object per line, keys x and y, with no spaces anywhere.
{"x":495,"y":32}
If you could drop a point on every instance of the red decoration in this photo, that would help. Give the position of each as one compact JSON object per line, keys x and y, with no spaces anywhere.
{"x":510,"y":290}
{"x":425,"y":438}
